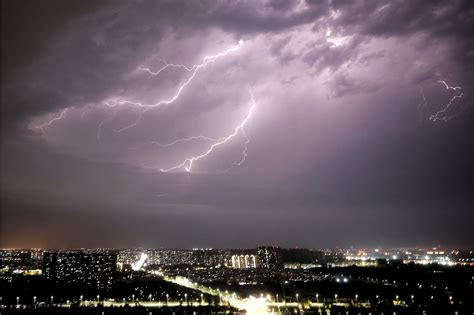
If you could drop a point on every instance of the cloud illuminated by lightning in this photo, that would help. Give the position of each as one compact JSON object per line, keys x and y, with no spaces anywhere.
{"x":216,"y":141}
{"x":145,"y":107}
{"x":187,"y":164}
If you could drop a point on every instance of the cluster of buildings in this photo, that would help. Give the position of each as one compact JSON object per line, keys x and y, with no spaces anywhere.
{"x":263,"y":257}
{"x":97,"y":268}
{"x":31,"y":259}
{"x":93,"y":269}
{"x":425,"y":256}
{"x":171,"y":257}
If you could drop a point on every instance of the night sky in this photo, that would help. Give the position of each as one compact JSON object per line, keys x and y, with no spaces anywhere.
{"x":352,"y":138}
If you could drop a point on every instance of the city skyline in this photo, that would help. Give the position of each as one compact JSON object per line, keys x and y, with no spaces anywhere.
{"x":195,"y":124}
{"x":262,"y":280}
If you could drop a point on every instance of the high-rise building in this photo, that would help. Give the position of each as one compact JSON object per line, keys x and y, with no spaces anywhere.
{"x":243,"y":261}
{"x":269,"y":257}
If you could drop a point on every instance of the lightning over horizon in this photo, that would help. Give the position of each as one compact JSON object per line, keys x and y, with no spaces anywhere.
{"x":188,"y":162}
{"x":208,"y":124}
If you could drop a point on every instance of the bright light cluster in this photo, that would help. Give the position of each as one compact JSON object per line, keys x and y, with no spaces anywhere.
{"x":139,"y":264}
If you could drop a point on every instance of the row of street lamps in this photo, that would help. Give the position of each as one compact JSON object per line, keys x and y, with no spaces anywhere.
{"x":412,"y":297}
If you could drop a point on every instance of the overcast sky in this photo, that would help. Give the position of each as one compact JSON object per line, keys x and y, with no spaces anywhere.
{"x":360,"y":131}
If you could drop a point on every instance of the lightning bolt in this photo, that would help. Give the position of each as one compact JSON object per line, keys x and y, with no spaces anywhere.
{"x":187,"y":164}
{"x":454,"y":88}
{"x":186,"y":140}
{"x":439,"y":115}
{"x":145,"y":107}
{"x":166,"y":66}
{"x":244,"y":153}
{"x":60,"y":116}
{"x":103,"y":122}
{"x":193,"y":70}
{"x":422,"y":105}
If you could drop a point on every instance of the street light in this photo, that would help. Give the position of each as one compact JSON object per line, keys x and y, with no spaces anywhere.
{"x":335,"y":297}
{"x":17,"y":300}
{"x":80,"y":299}
{"x":186,"y":298}
{"x":277,"y":299}
{"x":317,"y":297}
{"x":133,"y":298}
{"x":98,"y":298}
{"x":202,"y":295}
{"x":297,"y":300}
{"x":149,"y":296}
{"x":167,"y":299}
{"x":52,"y":299}
{"x":34,"y":299}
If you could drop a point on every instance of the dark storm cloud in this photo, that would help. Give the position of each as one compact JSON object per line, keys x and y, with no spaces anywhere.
{"x":62,"y":36}
{"x":404,"y":17}
{"x":338,"y":155}
{"x":79,"y":52}
{"x":344,"y":84}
